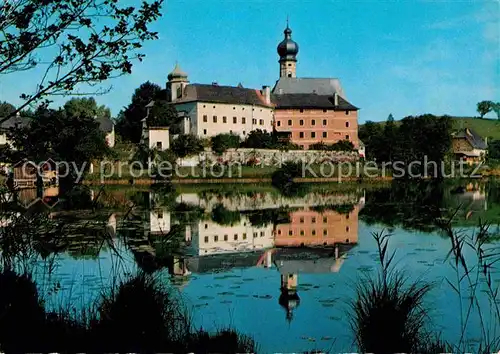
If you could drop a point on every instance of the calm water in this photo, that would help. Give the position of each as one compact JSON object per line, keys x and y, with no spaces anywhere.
{"x":281,"y":269}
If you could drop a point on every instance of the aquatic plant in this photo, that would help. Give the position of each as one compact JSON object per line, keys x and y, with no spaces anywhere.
{"x":388,"y":314}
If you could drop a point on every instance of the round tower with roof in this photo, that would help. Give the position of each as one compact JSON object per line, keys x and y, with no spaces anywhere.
{"x":177,"y":80}
{"x":288,"y":50}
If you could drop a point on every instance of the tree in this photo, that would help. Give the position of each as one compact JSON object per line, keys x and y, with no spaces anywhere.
{"x":72,"y":42}
{"x":342,"y":145}
{"x":222,"y":142}
{"x":129,"y":122}
{"x":259,"y":139}
{"x":87,"y":107}
{"x":484,"y":107}
{"x":389,"y":140}
{"x":372,"y":136}
{"x":496,"y":108}
{"x":71,"y":136}
{"x":186,"y":145}
{"x":6,"y":109}
{"x":223,"y":216}
{"x":163,"y":114}
{"x":494,"y":150}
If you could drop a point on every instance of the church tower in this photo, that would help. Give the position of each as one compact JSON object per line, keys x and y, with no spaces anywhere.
{"x":177,"y":80}
{"x":287,"y":51}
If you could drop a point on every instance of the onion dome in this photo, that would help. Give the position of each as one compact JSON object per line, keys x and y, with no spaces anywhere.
{"x":177,"y":74}
{"x":288,"y":49}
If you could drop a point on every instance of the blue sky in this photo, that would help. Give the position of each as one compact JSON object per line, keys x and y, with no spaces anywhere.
{"x":400,"y":57}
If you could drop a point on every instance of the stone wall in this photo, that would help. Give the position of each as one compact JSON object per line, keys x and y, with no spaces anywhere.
{"x":267,"y":157}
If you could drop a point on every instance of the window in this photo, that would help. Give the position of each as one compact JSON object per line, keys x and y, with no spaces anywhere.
{"x":215,"y":119}
{"x":279,"y":123}
{"x":214,"y":106}
{"x":253,"y":109}
{"x":301,"y":219}
{"x":158,"y":145}
{"x":243,"y":120}
{"x":254,"y":235}
{"x":290,"y":233}
{"x":261,"y":121}
{"x":313,"y":134}
{"x":301,"y":122}
{"x":301,"y":111}
{"x":235,"y":120}
{"x":301,"y":135}
{"x":347,"y":228}
{"x":314,"y":232}
{"x":325,"y":134}
{"x":347,"y":137}
{"x":347,"y":124}
{"x":225,"y":237}
{"x":346,"y":113}
{"x":234,"y":107}
{"x":244,"y":133}
{"x":206,"y":239}
{"x":235,"y":237}
{"x":224,"y":119}
{"x":324,"y":111}
{"x":279,"y":232}
{"x":205,"y":118}
{"x":301,"y":147}
{"x":325,"y":232}
{"x":262,"y":234}
{"x":216,"y":238}
{"x":204,"y":132}
{"x":244,"y":236}
{"x":206,"y":226}
{"x":347,"y":217}
{"x":324,"y":122}
{"x":289,"y":122}
{"x":254,"y":121}
{"x":289,"y":64}
{"x":160,"y":215}
{"x":230,"y":132}
{"x":325,"y":219}
{"x":313,"y":122}
{"x":204,"y":106}
{"x":301,"y":232}
{"x":243,"y":109}
{"x":313,"y":220}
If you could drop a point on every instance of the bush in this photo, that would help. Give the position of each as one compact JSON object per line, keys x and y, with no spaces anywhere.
{"x":223,"y":216}
{"x":342,"y":145}
{"x":186,"y":145}
{"x":222,"y":142}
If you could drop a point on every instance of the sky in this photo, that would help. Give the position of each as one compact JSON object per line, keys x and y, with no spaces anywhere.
{"x":400,"y":57}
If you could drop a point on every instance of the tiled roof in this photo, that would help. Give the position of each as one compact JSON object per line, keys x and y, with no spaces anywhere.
{"x":12,"y":122}
{"x":472,"y":137}
{"x":105,"y":124}
{"x":310,"y":101}
{"x":222,"y":94}
{"x":319,"y":86}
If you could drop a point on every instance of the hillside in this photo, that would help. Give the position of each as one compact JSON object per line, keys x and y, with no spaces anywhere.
{"x":485,"y":127}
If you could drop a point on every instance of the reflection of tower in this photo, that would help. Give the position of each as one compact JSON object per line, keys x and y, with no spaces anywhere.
{"x":289,"y":299}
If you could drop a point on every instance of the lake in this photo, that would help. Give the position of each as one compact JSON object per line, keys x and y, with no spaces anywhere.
{"x":282,"y":269}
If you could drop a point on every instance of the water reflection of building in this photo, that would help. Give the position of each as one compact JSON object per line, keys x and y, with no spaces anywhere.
{"x":27,"y":197}
{"x":310,"y":227}
{"x":208,"y":237}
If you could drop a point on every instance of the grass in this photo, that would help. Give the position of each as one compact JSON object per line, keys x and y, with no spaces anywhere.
{"x":388,"y":313}
{"x":484,"y":127}
{"x":138,"y":314}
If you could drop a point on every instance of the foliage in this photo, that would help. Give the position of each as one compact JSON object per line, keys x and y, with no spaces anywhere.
{"x":259,"y":139}
{"x":222,"y":142}
{"x":129,"y":121}
{"x":494,"y":150}
{"x":342,"y":145}
{"x":343,"y":209}
{"x":484,"y":107}
{"x":388,"y":315}
{"x":72,"y":42}
{"x":264,"y":217}
{"x":283,"y":180}
{"x":137,"y":314}
{"x":163,"y":114}
{"x":71,"y":136}
{"x":411,"y":140}
{"x":86,"y":107}
{"x":6,"y":110}
{"x":223,"y":216}
{"x":186,"y":145}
